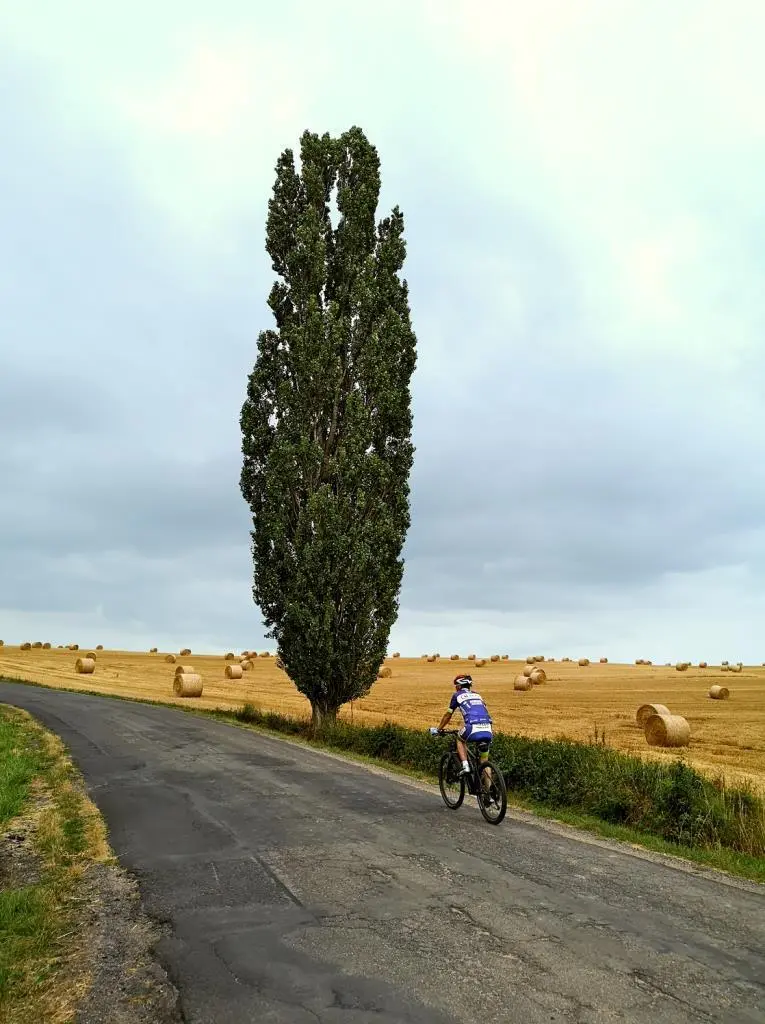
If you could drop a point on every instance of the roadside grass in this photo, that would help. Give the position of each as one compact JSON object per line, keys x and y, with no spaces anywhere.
{"x":667,"y":808}
{"x":49,"y":833}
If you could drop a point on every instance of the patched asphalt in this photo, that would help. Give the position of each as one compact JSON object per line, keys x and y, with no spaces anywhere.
{"x":295,"y":887}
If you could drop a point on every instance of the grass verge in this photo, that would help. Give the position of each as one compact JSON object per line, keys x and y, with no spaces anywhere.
{"x":669,"y":809}
{"x":49,"y":833}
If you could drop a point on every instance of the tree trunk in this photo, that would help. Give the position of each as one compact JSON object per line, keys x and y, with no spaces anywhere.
{"x":322,"y":716}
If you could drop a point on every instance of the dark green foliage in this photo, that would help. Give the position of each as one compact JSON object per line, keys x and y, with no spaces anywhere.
{"x":671,"y":801}
{"x":326,"y":426}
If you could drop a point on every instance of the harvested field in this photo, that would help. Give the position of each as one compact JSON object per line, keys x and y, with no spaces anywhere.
{"x":727,"y":736}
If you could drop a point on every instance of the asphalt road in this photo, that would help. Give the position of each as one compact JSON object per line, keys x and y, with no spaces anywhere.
{"x":298,"y":888}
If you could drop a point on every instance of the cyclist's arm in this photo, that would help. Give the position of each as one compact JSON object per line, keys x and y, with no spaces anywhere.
{"x":446,"y":719}
{"x":453,"y":706}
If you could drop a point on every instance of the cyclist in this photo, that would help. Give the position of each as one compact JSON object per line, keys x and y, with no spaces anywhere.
{"x":475,"y":717}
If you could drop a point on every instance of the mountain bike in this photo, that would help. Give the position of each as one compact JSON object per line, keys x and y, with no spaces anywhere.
{"x":485,"y":781}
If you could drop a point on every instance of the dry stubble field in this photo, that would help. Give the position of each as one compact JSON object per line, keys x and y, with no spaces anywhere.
{"x":727,"y":737}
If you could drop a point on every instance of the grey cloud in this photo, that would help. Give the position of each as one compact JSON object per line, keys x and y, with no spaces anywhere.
{"x":544,"y":479}
{"x":119,"y":398}
{"x":547,"y":476}
{"x":155,"y":507}
{"x":33,"y":398}
{"x":188,"y":596}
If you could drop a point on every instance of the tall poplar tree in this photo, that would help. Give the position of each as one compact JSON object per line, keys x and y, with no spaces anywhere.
{"x":327,"y":422}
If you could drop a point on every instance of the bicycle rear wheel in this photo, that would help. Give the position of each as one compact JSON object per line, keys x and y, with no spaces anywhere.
{"x":493,"y":796}
{"x":451,"y":781}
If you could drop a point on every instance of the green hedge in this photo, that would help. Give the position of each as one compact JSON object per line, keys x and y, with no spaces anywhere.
{"x":672,"y":801}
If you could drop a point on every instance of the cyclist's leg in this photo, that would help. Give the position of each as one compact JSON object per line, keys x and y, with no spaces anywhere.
{"x":484,"y":745}
{"x":462,"y":736}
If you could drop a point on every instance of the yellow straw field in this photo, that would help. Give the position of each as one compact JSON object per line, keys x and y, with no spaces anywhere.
{"x":727,"y":736}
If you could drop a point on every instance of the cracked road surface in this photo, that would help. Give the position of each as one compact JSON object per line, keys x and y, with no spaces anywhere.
{"x":298,"y":888}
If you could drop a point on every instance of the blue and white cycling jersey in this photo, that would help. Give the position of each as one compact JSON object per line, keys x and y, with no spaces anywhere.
{"x":474,"y":712}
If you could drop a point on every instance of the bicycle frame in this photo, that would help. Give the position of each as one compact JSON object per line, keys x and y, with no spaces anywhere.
{"x":488,"y":787}
{"x":473,"y":779}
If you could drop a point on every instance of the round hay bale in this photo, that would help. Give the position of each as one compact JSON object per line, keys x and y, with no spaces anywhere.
{"x":565,"y":659}
{"x":639,"y":661}
{"x":431,"y":657}
{"x":682,"y":666}
{"x":46,"y":646}
{"x":152,"y":650}
{"x":528,"y":669}
{"x":584,"y":661}
{"x":719,"y":692}
{"x":184,"y":670}
{"x":2,"y":643}
{"x":396,"y":654}
{"x":26,"y":647}
{"x":538,"y":675}
{"x":522,"y":682}
{"x":471,"y":657}
{"x":724,"y":667}
{"x":702,"y":664}
{"x":385,"y":672}
{"x":185,"y":652}
{"x":736,"y":668}
{"x":495,"y":657}
{"x":438,"y":654}
{"x":454,"y":657}
{"x":37,"y":644}
{"x":724,"y":663}
{"x":85,"y":666}
{"x":667,"y":731}
{"x":645,"y":711}
{"x":246,"y":665}
{"x":265,"y":654}
{"x":530,"y":659}
{"x":90,"y":654}
{"x":539,"y":657}
{"x":187,"y":685}
{"x":99,"y":647}
{"x":480,"y":662}
{"x":506,"y":657}
{"x":170,"y":659}
{"x":234,"y":672}
{"x":74,"y":647}
{"x":229,"y":656}
{"x":604,"y":661}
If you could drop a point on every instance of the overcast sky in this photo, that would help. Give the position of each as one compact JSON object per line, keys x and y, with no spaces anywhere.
{"x":582,"y":187}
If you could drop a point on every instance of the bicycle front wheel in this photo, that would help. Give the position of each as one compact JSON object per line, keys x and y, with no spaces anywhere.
{"x":451,"y":781}
{"x":492,"y":798}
